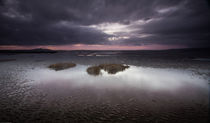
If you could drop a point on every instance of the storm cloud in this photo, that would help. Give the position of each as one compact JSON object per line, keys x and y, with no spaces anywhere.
{"x":110,"y":22}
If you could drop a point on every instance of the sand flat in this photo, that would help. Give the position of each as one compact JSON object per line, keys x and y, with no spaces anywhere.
{"x":138,"y":94}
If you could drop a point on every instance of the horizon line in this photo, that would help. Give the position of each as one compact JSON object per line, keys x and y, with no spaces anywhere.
{"x":70,"y":47}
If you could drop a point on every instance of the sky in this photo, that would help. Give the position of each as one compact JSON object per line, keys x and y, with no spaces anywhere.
{"x":104,"y":24}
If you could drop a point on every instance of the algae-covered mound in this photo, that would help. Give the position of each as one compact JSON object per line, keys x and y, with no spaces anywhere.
{"x":61,"y":66}
{"x":110,"y":68}
{"x":113,"y":68}
{"x":94,"y":70}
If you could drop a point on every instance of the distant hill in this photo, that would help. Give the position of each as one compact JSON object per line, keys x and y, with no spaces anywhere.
{"x":39,"y":50}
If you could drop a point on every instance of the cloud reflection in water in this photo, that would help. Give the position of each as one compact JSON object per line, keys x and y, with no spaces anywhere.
{"x":134,"y":77}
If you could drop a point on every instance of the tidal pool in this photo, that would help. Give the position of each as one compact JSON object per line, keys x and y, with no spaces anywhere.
{"x":133,"y":77}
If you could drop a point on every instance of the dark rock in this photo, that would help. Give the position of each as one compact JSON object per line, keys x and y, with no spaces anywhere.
{"x":110,"y":68}
{"x":61,"y":66}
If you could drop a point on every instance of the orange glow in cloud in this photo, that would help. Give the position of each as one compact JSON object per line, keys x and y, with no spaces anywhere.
{"x":92,"y":47}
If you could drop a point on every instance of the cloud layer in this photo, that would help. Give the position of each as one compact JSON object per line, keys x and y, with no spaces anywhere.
{"x":105,"y":22}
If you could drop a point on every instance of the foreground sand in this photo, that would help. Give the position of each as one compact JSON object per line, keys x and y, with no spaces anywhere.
{"x":26,"y":98}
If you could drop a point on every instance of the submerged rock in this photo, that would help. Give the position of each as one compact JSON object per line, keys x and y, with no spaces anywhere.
{"x":110,"y":68}
{"x":61,"y":66}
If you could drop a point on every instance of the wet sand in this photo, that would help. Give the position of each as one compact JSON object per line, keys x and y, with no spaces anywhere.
{"x":30,"y":92}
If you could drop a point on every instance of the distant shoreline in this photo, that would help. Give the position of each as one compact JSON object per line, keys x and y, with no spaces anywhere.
{"x":29,"y":51}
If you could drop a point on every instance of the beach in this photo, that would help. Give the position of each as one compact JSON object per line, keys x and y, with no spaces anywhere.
{"x":155,"y":88}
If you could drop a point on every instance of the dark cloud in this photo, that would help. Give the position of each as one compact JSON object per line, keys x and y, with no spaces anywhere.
{"x":127,"y":22}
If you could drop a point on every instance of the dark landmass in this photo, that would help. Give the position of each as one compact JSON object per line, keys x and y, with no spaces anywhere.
{"x":7,"y":60}
{"x":29,"y":51}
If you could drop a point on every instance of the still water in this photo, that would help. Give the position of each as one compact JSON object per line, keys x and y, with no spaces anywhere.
{"x":142,"y":78}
